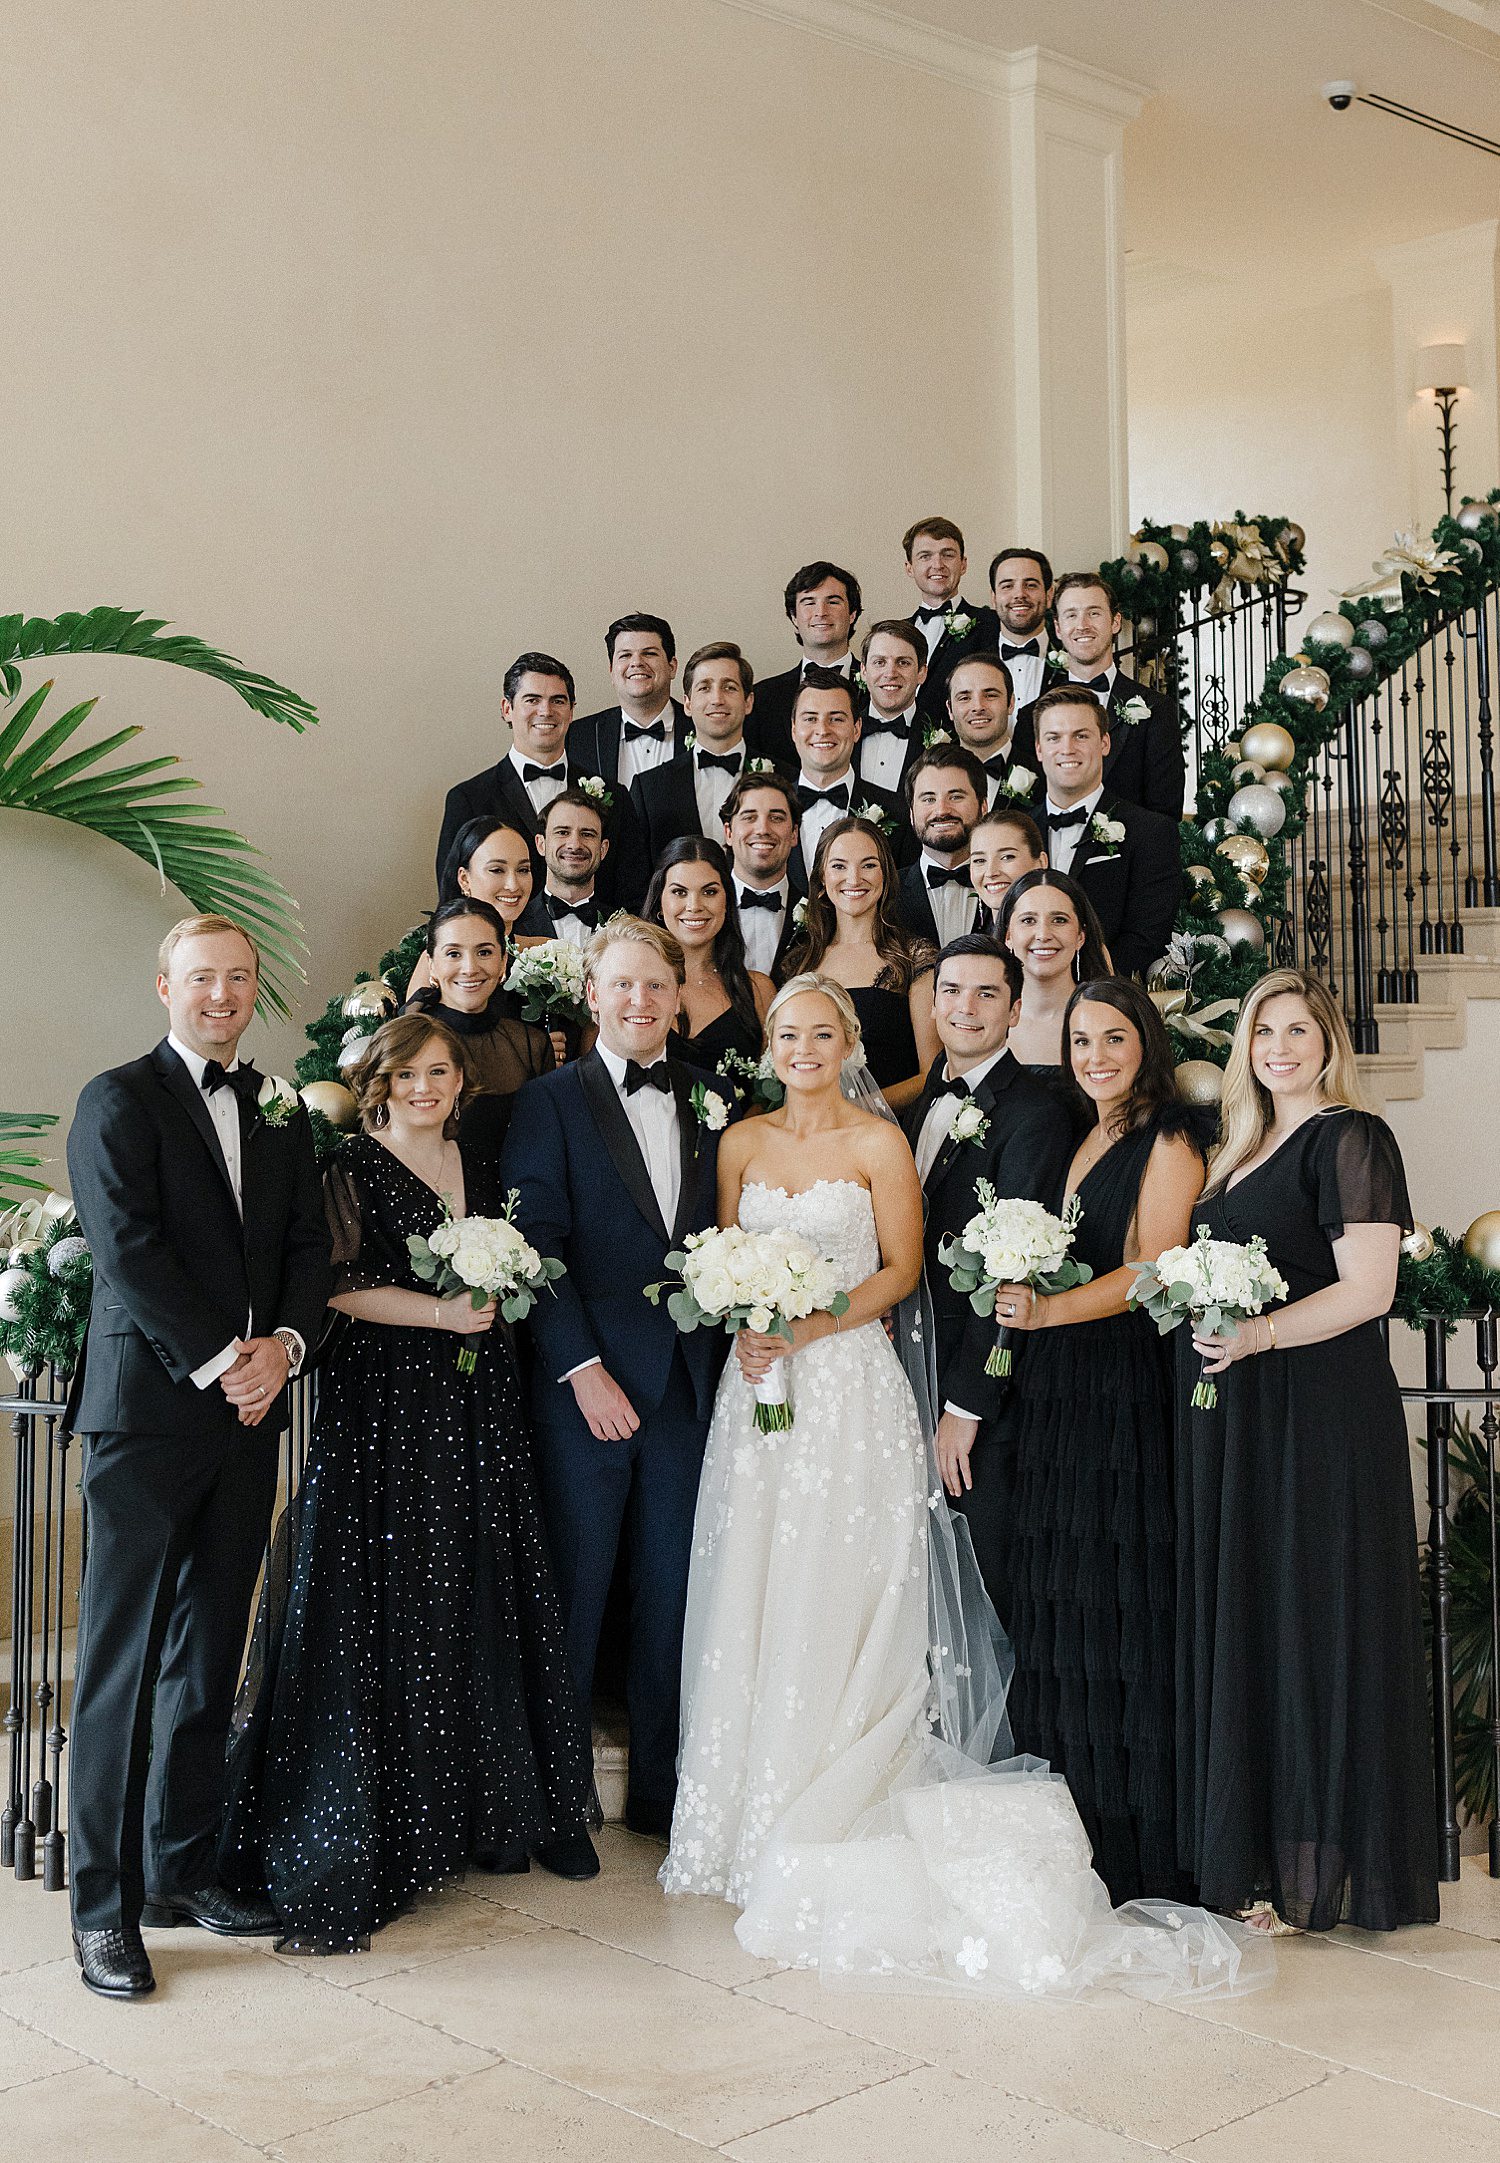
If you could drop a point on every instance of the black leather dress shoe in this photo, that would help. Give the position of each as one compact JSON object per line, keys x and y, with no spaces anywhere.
{"x":212,"y":1907}
{"x":571,"y":1857}
{"x":114,"y":1963}
{"x":512,"y":1862}
{"x":652,"y":1819}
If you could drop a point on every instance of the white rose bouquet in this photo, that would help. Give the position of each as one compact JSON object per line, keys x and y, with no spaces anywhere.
{"x":484,"y":1258}
{"x":763,"y":1281}
{"x":1215,"y":1283}
{"x":1011,"y":1242}
{"x":549,"y":982}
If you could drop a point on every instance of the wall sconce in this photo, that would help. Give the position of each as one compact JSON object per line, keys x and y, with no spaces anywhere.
{"x":1442,"y":371}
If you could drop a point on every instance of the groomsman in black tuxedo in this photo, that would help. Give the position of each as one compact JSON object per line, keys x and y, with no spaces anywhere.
{"x":760,"y":833}
{"x":686,"y":796}
{"x":614,"y":1169}
{"x":980,"y":714}
{"x":1128,"y":861}
{"x":893,"y":660}
{"x":1004,"y":846}
{"x":823,"y":604}
{"x":980,"y":1116}
{"x":1021,"y":583}
{"x":574,"y":850}
{"x":646,"y":729}
{"x":1145,"y":763}
{"x":937,"y":901}
{"x":935,"y":564}
{"x":199,"y":1196}
{"x":825,"y":736}
{"x":537,"y":707}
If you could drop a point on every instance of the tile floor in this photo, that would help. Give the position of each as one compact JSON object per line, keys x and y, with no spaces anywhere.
{"x":521,"y":2017}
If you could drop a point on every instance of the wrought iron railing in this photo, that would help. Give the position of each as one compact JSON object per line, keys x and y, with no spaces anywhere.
{"x":1212,"y":662}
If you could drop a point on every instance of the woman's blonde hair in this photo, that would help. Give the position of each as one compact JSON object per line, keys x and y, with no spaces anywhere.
{"x":837,"y":996}
{"x":1246,"y":1110}
{"x":393,"y":1046}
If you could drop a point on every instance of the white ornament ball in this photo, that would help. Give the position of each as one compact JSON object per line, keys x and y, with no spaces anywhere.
{"x":1306,"y":687}
{"x":12,"y":1282}
{"x":1329,"y":629}
{"x":66,"y":1252}
{"x":1473,"y":518}
{"x":1240,"y":928}
{"x":1246,"y":770}
{"x":1262,"y":807}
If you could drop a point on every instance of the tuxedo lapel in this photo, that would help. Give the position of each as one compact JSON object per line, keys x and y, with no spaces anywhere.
{"x":689,"y":1140}
{"x":618,"y":1136}
{"x":997,"y":1079}
{"x":177,"y":1081}
{"x":607,"y":746}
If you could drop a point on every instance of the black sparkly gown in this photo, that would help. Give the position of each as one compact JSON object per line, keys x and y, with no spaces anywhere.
{"x":1304,"y":1740}
{"x":1092,"y":1601}
{"x":412,"y":1711}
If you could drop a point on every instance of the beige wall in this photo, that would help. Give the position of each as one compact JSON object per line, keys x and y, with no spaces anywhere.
{"x":375,"y":342}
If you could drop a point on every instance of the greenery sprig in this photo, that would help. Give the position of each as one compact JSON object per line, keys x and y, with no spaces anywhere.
{"x":1446,"y":1286}
{"x":47,"y":1308}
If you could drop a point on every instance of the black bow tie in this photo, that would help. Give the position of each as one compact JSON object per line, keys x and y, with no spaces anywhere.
{"x":651,"y":732}
{"x":925,"y":615}
{"x":587,"y":912}
{"x":953,"y":1085}
{"x":646,"y":1077}
{"x":996,"y":767}
{"x":896,"y":727}
{"x":1013,"y":653}
{"x":750,"y":899}
{"x":937,"y":876}
{"x":838,"y":796}
{"x":559,"y":772}
{"x":244,"y":1081}
{"x":1062,"y":819}
{"x":1099,"y":684}
{"x":728,"y":762}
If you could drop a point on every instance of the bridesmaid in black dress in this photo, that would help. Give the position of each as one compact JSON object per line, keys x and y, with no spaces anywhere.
{"x":723,"y":1003}
{"x":468,"y":955}
{"x":1053,"y":929}
{"x":1304,"y":1740}
{"x":1093,"y":1578}
{"x":412,"y":1713}
{"x":851,"y":932}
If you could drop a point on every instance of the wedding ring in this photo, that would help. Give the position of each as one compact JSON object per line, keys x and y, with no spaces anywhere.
{"x":260,"y":1393}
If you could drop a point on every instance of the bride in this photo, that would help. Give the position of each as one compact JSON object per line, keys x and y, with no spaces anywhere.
{"x":842,"y":1677}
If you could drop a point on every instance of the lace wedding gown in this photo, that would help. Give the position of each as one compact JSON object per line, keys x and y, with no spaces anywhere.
{"x":814,"y":1791}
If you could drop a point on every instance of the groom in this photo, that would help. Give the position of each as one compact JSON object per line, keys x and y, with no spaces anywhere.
{"x":198,"y":1194}
{"x":980,"y":1116}
{"x":614,"y":1167}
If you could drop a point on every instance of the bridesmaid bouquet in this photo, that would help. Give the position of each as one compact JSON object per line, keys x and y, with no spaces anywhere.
{"x":548,"y":981}
{"x":763,"y":1281}
{"x":484,"y":1258}
{"x":1215,"y":1283}
{"x":1011,"y":1242}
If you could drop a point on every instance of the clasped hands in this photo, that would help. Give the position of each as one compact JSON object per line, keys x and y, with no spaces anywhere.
{"x":256,"y":1378}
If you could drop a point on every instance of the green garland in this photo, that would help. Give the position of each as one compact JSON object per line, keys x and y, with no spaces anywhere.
{"x":326,"y":1035}
{"x":1444,"y":1287}
{"x":1200,"y":557}
{"x":49,"y":1286}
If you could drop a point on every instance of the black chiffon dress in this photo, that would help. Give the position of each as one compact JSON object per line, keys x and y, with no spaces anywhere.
{"x":1304,"y":1739}
{"x":1092,"y":1601}
{"x":726,"y":1032}
{"x":408,"y":1706}
{"x":501,"y":1051}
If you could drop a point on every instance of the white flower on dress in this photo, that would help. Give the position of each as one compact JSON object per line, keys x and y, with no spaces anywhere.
{"x":973,"y":1956}
{"x":276,"y":1100}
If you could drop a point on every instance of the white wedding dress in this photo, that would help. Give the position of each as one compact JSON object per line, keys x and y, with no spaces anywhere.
{"x":814,"y":1792}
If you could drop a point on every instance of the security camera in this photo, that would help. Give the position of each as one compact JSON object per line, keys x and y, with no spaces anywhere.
{"x":1340,"y":95}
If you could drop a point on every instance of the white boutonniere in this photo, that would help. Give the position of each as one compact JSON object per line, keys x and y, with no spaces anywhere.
{"x":760,"y":766}
{"x":1133,"y":712}
{"x":934,"y":734}
{"x":799,"y":913}
{"x":1019,"y":785}
{"x":970,"y":1124}
{"x":1056,"y":658}
{"x":876,"y":817}
{"x":711,"y":1110}
{"x":957,"y":625}
{"x":595,"y":789}
{"x":1109,"y":833}
{"x":857,"y":678}
{"x":276,"y":1100}
{"x":690,"y":741}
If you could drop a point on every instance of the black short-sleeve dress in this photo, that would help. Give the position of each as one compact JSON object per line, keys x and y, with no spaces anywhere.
{"x":1304,"y":1742}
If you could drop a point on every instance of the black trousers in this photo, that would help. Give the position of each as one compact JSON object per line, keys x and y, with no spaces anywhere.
{"x":177,"y":1531}
{"x":989,"y":1506}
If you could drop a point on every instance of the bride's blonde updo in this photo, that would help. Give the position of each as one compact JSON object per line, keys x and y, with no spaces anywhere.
{"x":837,"y":997}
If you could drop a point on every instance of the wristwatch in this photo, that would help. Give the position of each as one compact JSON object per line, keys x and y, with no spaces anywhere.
{"x":291,"y":1344}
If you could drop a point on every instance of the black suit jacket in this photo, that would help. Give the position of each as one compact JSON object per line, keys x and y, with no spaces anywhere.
{"x":665,"y":803}
{"x":1024,"y":1154}
{"x":1136,"y":888}
{"x":594,"y":738}
{"x":500,"y":792}
{"x":176,"y":1270}
{"x":1145,"y":761}
{"x":982,"y":636}
{"x":914,"y":906}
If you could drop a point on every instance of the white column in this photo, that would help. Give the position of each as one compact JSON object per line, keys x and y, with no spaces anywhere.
{"x":1067,"y":127}
{"x":1445,"y":290}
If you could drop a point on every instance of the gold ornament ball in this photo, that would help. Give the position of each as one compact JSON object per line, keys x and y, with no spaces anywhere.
{"x":1293,"y":535}
{"x":1168,"y":1003}
{"x":1233,"y":747}
{"x":1246,"y":769}
{"x":1250,"y":858}
{"x":1270,"y":745}
{"x":333,"y":1100}
{"x":1287,"y":789}
{"x":350,"y":1054}
{"x":1472,"y":518}
{"x":1306,"y":687}
{"x":1482,"y":1239}
{"x":1153,"y":553}
{"x":1199,"y":1081}
{"x":1179,"y":533}
{"x":1419,"y":1244}
{"x":371,"y":997}
{"x":1240,"y":928}
{"x":1330,"y":629}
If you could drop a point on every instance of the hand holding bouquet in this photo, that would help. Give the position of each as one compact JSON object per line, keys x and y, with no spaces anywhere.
{"x":1011,"y":1242}
{"x":764,"y":1281}
{"x":548,"y":981}
{"x":485,"y":1259}
{"x":1215,"y":1283}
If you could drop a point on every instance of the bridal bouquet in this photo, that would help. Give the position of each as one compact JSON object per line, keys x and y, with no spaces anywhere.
{"x":485,"y":1258}
{"x":1215,"y":1283}
{"x":548,"y":981}
{"x":1011,"y":1242}
{"x":763,"y":1281}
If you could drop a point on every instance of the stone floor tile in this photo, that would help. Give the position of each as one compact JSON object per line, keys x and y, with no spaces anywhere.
{"x":934,"y":2112}
{"x":696,"y":2058}
{"x":1473,"y":1904}
{"x":1458,"y":1953}
{"x":93,"y":2116}
{"x":443,"y":1923}
{"x":1349,"y":2118}
{"x":241,"y":2037}
{"x":506,"y":2114}
{"x":34,"y":1926}
{"x":25,"y":2056}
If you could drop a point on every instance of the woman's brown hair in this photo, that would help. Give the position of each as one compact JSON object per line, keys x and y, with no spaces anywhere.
{"x":1155,"y":1085}
{"x":892,"y":943}
{"x":395,"y":1045}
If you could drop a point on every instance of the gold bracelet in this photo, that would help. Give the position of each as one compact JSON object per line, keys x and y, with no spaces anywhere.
{"x":836,"y":1320}
{"x":1271,"y":1326}
{"x":437,"y":1314}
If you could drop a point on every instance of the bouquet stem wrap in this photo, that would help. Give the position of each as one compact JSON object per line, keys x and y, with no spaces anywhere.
{"x":772,"y":1412}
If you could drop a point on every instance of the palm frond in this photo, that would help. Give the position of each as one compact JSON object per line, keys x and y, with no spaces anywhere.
{"x":216,"y":869}
{"x":16,"y":1163}
{"x":127,"y":630}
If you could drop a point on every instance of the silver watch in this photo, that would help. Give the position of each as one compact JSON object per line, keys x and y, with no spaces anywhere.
{"x":291,"y":1345}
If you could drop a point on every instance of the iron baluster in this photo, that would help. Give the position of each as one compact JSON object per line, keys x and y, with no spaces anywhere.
{"x":1440,"y":1600}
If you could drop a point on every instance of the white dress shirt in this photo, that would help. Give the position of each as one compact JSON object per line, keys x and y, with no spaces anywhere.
{"x":817,"y":816}
{"x":1062,"y":846}
{"x":954,"y":906}
{"x":933,"y":627}
{"x":540,"y":792}
{"x":638,"y":754}
{"x":565,"y":925}
{"x":1028,"y":674}
{"x":938,"y":1124}
{"x":711,"y":785}
{"x":881,"y":757}
{"x":1108,"y":692}
{"x":653,"y":1121}
{"x":762,"y":927}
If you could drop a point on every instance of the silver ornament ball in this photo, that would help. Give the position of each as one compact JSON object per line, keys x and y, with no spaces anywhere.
{"x":1360,"y":664}
{"x":1306,"y":687}
{"x":1261,"y":807}
{"x":1329,"y":629}
{"x":1240,"y":928}
{"x":1372,"y":634}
